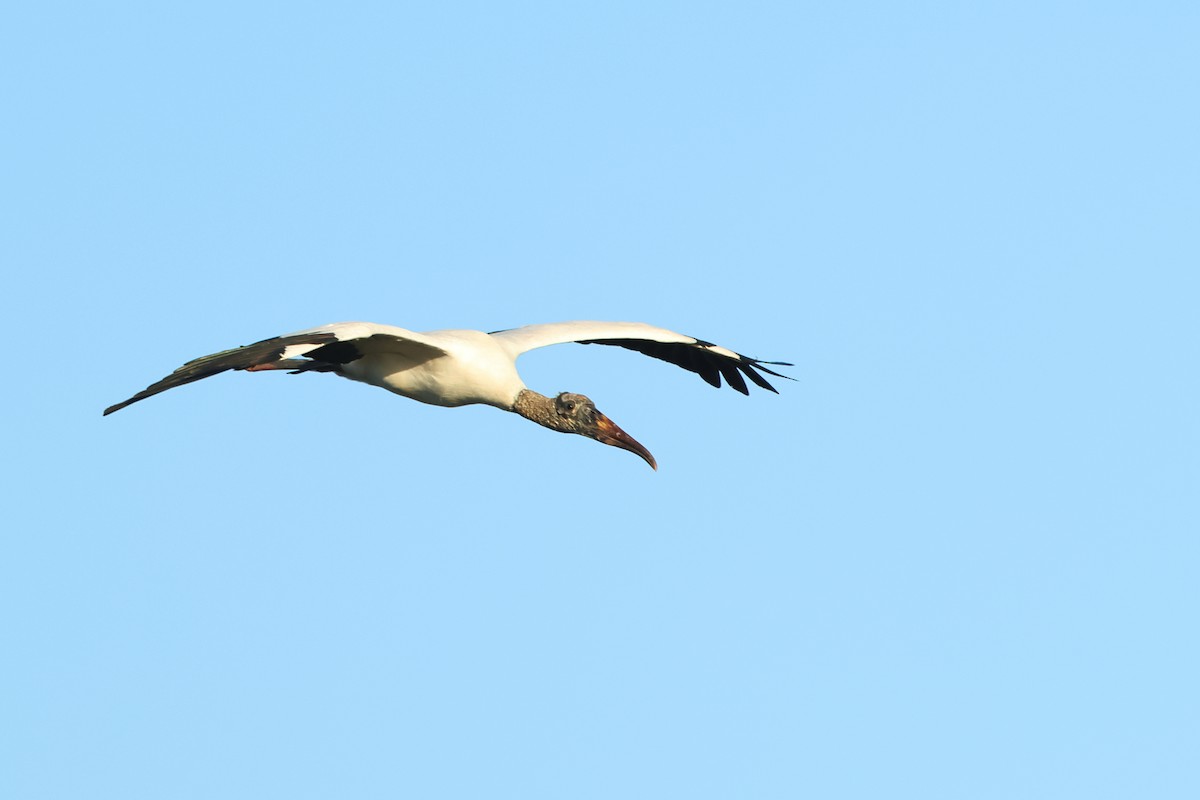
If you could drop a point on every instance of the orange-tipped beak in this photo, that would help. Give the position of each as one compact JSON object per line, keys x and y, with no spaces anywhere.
{"x":607,"y":432}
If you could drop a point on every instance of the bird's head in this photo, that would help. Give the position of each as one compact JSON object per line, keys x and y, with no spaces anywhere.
{"x":574,"y":413}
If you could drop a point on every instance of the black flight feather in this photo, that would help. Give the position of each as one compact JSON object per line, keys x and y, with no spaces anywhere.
{"x":699,"y":358}
{"x":251,"y":355}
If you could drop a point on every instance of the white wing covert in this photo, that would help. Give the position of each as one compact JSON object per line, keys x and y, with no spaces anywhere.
{"x":711,"y":362}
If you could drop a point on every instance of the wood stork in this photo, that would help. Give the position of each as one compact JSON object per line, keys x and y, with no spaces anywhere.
{"x":460,"y":367}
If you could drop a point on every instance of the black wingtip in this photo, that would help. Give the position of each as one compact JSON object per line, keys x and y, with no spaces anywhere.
{"x":704,"y":359}
{"x":759,"y":364}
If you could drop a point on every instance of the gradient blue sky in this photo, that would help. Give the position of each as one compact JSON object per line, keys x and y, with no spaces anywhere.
{"x":956,"y":559}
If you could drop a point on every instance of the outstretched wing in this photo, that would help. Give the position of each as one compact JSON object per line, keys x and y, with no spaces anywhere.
{"x":320,"y":349}
{"x":706,"y":359}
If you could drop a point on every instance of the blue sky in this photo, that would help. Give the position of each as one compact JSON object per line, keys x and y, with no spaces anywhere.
{"x":956,"y":558}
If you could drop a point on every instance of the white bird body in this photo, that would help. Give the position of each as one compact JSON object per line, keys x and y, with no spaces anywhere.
{"x":462,"y":367}
{"x":474,"y":368}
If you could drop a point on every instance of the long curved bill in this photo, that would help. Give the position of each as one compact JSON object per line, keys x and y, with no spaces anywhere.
{"x":607,"y":432}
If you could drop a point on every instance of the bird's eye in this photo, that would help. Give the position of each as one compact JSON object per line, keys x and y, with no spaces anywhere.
{"x":569,"y":406}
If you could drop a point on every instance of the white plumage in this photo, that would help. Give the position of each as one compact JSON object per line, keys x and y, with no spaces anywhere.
{"x":462,"y":367}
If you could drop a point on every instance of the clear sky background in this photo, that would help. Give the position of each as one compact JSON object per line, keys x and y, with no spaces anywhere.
{"x":957,"y":558}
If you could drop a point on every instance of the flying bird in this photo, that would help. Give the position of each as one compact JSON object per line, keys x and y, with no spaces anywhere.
{"x":461,"y":367}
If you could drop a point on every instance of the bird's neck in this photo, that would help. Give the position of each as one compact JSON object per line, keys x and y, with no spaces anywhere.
{"x":538,"y":408}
